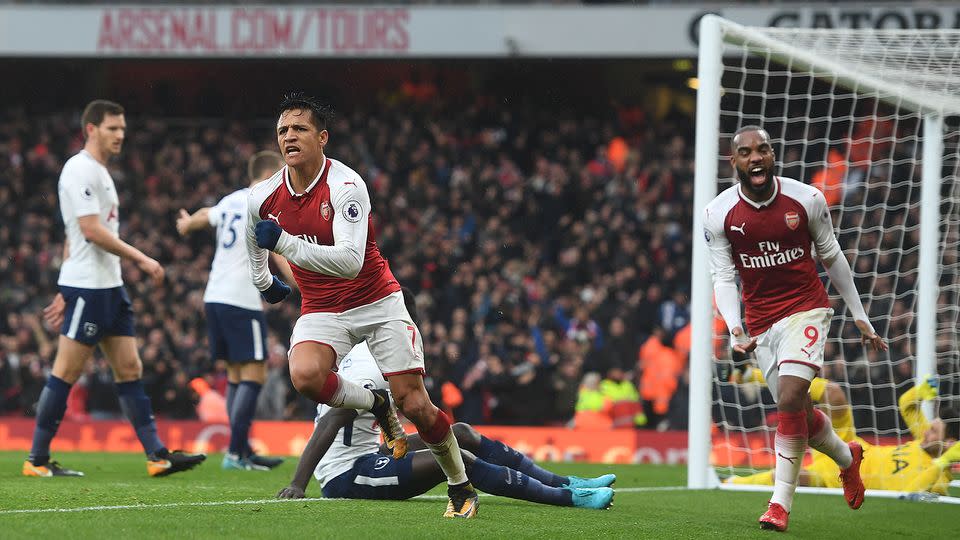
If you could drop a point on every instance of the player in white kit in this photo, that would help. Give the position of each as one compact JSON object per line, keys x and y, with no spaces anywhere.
{"x":236,"y":326}
{"x":92,"y":307}
{"x":764,"y":229}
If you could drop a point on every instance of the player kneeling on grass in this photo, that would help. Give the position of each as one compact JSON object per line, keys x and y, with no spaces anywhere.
{"x":344,"y":454}
{"x":922,"y":464}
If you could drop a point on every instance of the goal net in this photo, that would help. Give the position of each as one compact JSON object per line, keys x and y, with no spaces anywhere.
{"x":870,"y":117}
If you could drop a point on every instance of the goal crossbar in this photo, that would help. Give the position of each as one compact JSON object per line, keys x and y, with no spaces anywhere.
{"x":764,"y":42}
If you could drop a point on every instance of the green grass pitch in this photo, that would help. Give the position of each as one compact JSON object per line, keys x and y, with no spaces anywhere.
{"x":211,"y":503}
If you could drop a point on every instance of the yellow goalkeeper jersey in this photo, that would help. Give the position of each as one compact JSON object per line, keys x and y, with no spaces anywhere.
{"x":907,"y":467}
{"x":895,"y":467}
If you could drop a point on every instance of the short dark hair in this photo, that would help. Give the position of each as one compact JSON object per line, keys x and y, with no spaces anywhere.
{"x":744,"y":129}
{"x":951,"y":422}
{"x":411,"y":302}
{"x":322,"y":114}
{"x":263,"y":163}
{"x":96,"y":110}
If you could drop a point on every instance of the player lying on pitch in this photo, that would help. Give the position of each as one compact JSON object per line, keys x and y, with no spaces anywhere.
{"x":345,"y":455}
{"x":922,"y":464}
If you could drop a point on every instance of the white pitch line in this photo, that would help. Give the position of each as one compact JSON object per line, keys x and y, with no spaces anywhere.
{"x":253,"y":501}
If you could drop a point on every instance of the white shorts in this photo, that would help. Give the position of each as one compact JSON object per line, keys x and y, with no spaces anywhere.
{"x":794,"y":346}
{"x":391,"y":334}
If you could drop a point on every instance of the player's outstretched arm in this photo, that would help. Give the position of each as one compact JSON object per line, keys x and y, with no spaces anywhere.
{"x":93,"y":230}
{"x":927,"y":479}
{"x":909,"y":404}
{"x":187,"y":222}
{"x":948,"y":458}
{"x":323,"y":436}
{"x":838,"y":269}
{"x":842,"y":278}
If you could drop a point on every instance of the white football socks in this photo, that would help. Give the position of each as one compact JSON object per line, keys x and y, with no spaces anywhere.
{"x":790,"y":444}
{"x":350,"y":395}
{"x":828,"y":442}
{"x":447,"y":454}
{"x":789,"y":460}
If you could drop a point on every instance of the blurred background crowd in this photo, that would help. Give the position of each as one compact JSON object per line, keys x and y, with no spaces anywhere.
{"x":542,"y":245}
{"x":549,"y":248}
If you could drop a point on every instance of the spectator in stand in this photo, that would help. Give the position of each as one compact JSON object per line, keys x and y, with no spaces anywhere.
{"x":625,"y":408}
{"x":593,"y":408}
{"x":179,"y":399}
{"x":212,"y":406}
{"x":566,"y":388}
{"x":657,"y":368}
{"x":619,"y":348}
{"x":674,"y":313}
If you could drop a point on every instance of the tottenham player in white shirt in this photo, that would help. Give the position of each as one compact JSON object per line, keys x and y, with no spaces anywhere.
{"x":236,"y":326}
{"x":92,"y":307}
{"x":764,"y":229}
{"x":345,"y":456}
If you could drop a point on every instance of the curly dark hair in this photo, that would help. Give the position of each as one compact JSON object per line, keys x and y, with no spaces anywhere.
{"x":322,"y":113}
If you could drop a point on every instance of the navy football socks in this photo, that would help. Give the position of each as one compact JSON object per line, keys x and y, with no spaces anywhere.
{"x":231,"y":394}
{"x":136,"y":407}
{"x":241,"y":417}
{"x":50,"y":410}
{"x":498,"y":453}
{"x":500,"y":480}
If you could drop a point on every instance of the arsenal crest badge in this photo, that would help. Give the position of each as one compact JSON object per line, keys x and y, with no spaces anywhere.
{"x":792,"y":219}
{"x":325,"y":211}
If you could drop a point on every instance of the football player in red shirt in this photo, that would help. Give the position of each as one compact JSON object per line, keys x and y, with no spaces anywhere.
{"x":762,"y":229}
{"x":315,"y":212}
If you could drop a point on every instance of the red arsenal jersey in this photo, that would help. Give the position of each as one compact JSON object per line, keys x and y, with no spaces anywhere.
{"x":770,"y":245}
{"x":329,"y":233}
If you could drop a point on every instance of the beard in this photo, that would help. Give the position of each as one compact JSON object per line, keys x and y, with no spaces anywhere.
{"x":746,"y":182}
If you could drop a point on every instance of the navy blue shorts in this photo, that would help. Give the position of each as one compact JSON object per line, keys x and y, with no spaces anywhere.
{"x":92,"y":314}
{"x":375,"y":476}
{"x":236,"y":334}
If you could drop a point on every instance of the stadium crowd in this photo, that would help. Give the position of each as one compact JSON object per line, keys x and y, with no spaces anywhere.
{"x":535,"y":255}
{"x":549,"y":250}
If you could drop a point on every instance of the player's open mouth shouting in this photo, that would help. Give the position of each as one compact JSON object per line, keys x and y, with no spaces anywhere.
{"x":758,"y":176}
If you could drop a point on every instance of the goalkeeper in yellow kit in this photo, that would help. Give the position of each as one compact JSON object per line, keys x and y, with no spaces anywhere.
{"x":920,"y":465}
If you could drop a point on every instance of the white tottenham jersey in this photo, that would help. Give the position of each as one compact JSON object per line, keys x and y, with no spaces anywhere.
{"x":229,"y":281}
{"x":86,"y":189}
{"x":362,"y":436}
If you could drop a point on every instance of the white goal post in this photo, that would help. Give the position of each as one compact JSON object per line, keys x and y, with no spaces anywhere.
{"x":883,"y":105}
